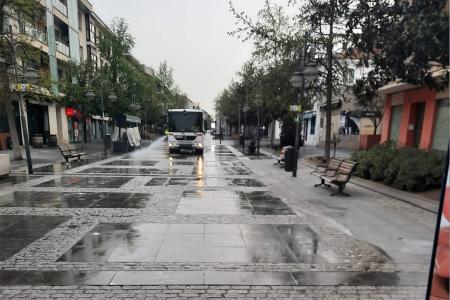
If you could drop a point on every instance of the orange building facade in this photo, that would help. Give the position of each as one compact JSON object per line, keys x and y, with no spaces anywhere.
{"x":416,"y":117}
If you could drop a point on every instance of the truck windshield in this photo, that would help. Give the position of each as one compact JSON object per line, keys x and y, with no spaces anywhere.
{"x":185,"y":121}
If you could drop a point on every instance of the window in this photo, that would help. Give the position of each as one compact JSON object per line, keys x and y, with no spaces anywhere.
{"x":396,"y":116}
{"x":94,"y":59}
{"x":441,"y":124}
{"x":349,"y":76}
{"x":313,"y":125}
{"x":80,"y":22}
{"x":81,"y":54}
{"x":92,"y":37}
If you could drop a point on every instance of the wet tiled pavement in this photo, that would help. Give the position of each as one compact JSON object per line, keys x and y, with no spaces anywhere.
{"x":17,"y":232}
{"x":74,"y":200}
{"x":86,"y":182}
{"x":149,"y":218}
{"x":70,"y":278}
{"x":15,"y":179}
{"x":227,"y":243}
{"x":230,"y":202}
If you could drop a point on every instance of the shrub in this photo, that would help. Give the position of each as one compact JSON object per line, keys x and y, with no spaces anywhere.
{"x":373,"y":163}
{"x":404,"y":168}
{"x":418,"y":170}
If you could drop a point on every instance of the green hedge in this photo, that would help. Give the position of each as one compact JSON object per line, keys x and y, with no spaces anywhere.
{"x":405,"y":168}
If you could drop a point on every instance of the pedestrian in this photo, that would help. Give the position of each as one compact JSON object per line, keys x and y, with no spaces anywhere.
{"x":166,"y":133}
{"x":221,"y":137}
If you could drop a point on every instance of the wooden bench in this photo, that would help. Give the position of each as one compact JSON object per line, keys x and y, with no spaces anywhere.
{"x":70,"y":151}
{"x":339,"y":176}
{"x":327,"y":169}
{"x":280,"y":158}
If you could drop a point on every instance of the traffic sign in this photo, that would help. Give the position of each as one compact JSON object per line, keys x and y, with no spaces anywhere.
{"x":23,"y":87}
{"x":295,"y":108}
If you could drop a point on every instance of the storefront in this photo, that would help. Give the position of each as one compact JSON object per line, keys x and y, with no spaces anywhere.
{"x":75,"y":124}
{"x":96,"y":127}
{"x":38,"y":123}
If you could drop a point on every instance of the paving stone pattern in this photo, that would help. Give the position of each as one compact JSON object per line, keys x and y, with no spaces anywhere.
{"x":148,"y":224}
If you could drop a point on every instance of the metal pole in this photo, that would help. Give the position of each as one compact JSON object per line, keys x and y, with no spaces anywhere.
{"x":239,"y":118}
{"x":22,"y":108}
{"x":243,"y":133}
{"x":103,"y":118}
{"x":297,"y":125}
{"x":257,"y":134}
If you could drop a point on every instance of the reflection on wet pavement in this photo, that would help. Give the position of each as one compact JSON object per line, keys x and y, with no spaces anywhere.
{"x":248,"y":182}
{"x":71,"y":278}
{"x":135,"y":163}
{"x":15,"y":179}
{"x":127,"y":171}
{"x":59,"y":167}
{"x":86,"y":182}
{"x":231,"y":202}
{"x":17,"y":232}
{"x":144,"y":242}
{"x":182,"y":163}
{"x":74,"y":200}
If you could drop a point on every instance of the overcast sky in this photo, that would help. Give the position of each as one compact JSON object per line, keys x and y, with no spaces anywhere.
{"x":191,"y":35}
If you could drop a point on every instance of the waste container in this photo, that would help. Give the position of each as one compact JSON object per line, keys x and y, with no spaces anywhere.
{"x":52,"y":140}
{"x":289,"y":158}
{"x":107,"y":142}
{"x":37,"y":140}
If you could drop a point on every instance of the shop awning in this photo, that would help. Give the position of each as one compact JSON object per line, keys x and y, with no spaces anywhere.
{"x":309,"y":114}
{"x":132,"y":119}
{"x":101,"y":118}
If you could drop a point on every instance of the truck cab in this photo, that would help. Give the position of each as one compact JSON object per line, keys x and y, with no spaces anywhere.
{"x":186,"y":130}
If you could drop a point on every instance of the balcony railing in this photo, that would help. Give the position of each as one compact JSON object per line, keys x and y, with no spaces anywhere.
{"x":60,"y":6}
{"x":34,"y":32}
{"x":62,"y":48}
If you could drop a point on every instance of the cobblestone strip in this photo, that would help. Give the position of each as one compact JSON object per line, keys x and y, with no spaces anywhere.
{"x":212,"y":292}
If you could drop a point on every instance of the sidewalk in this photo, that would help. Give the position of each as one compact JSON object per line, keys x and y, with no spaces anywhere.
{"x":48,"y":155}
{"x":428,"y":201}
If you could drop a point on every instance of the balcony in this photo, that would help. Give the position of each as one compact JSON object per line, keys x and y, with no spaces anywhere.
{"x":62,"y":48}
{"x":60,"y":6}
{"x":34,"y":32}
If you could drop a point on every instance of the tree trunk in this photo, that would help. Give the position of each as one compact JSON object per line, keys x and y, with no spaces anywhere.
{"x":375,"y":127}
{"x":329,"y":83}
{"x":5,"y":98}
{"x":272,"y":135}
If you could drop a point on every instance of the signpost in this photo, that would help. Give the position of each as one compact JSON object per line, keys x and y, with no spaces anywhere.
{"x":295,"y":108}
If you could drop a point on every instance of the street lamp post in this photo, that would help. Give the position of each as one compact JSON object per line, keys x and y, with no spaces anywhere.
{"x":245,"y":109}
{"x":112,"y":98}
{"x":298,"y":81}
{"x":29,"y":74}
{"x":258,"y":102}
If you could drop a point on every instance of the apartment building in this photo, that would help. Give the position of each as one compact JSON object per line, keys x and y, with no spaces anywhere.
{"x":66,"y":31}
